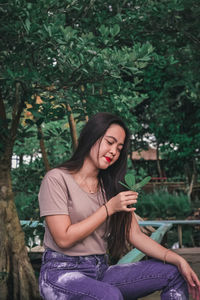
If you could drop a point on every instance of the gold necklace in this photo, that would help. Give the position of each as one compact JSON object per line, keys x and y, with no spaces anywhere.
{"x":91,"y":190}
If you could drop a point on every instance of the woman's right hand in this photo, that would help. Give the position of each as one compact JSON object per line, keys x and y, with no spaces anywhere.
{"x":122,"y":202}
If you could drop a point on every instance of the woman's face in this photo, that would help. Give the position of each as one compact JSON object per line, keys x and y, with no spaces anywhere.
{"x":106,"y":152}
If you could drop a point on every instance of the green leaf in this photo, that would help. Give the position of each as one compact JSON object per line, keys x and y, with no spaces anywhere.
{"x":104,"y":30}
{"x":115,"y":30}
{"x":126,"y":186}
{"x":27,"y":25}
{"x":130,"y":180}
{"x":143,"y":182}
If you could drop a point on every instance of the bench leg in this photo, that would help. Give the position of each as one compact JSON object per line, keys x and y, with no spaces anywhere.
{"x":180,"y":238}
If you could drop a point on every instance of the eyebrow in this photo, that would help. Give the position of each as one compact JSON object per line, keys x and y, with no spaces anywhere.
{"x":112,"y":137}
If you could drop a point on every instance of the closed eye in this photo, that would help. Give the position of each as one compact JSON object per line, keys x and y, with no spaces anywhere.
{"x":109,"y":142}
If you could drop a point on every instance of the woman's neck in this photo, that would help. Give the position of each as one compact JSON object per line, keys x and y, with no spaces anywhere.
{"x":88,"y":170}
{"x":87,"y":177}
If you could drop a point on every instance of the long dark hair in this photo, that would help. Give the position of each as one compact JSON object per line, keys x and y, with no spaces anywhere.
{"x":95,"y":128}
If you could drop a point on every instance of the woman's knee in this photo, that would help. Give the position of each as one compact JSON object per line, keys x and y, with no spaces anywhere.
{"x":177,"y":285}
{"x":173,"y":272}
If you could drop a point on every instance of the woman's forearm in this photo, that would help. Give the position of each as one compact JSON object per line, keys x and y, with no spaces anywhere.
{"x":153,"y":249}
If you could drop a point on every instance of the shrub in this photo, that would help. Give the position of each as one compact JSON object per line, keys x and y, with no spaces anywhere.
{"x":163,"y":205}
{"x":26,"y":182}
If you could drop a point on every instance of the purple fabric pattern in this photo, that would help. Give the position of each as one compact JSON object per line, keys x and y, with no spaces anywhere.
{"x":90,"y":277}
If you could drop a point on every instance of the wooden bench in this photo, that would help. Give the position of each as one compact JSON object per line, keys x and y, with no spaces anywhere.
{"x":179,"y":224}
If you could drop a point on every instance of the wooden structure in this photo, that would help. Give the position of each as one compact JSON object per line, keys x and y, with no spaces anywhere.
{"x":134,"y":255}
{"x":153,"y":162}
{"x":171,"y":186}
{"x":146,"y":157}
{"x":150,"y":154}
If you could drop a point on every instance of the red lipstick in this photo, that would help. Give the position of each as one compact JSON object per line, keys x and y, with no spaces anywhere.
{"x":108,"y":159}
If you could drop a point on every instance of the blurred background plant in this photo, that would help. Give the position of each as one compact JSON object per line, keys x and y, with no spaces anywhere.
{"x":162,"y":205}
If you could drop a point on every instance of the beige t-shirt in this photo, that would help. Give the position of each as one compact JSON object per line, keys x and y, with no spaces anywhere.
{"x":60,"y":194}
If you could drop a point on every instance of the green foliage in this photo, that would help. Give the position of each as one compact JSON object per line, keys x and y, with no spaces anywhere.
{"x":171,"y":81}
{"x":190,"y":236}
{"x":33,"y":235}
{"x":130,"y":182}
{"x":27,"y":206}
{"x":163,"y":205}
{"x":27,"y":142}
{"x":53,"y":48}
{"x":57,"y":141}
{"x":26,"y":181}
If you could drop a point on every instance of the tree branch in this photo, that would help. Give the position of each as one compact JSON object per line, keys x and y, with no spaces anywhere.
{"x":119,"y":9}
{"x":3,"y":118}
{"x":43,"y":149}
{"x":17,"y":110}
{"x":2,"y":109}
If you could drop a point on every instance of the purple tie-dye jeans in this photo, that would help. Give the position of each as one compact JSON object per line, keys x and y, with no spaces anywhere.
{"x":89,"y":277}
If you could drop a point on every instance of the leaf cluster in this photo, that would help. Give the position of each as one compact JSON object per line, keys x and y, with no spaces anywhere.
{"x":132,"y":185}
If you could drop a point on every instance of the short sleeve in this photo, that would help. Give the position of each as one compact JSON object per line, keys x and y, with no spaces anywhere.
{"x":53,"y":195}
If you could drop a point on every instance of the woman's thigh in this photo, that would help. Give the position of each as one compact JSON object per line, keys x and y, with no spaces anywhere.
{"x":72,"y":278}
{"x":143,"y":278}
{"x":66,"y":285}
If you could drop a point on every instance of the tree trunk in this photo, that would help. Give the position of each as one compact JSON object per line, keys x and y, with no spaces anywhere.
{"x":72,"y":126}
{"x":85,"y":111}
{"x":190,"y":188}
{"x":84,"y":102}
{"x":158,"y":162}
{"x":43,"y":149}
{"x":193,"y":179}
{"x":17,"y":279}
{"x":21,"y":160}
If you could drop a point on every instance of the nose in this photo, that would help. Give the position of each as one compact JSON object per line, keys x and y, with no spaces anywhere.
{"x":113,"y":150}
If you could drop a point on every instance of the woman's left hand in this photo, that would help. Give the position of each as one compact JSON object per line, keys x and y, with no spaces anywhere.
{"x":191,"y":278}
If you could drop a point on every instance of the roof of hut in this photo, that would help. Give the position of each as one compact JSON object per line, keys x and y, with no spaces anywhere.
{"x":149,"y":154}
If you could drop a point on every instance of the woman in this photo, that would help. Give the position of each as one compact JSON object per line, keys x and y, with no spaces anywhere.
{"x":87,"y":213}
